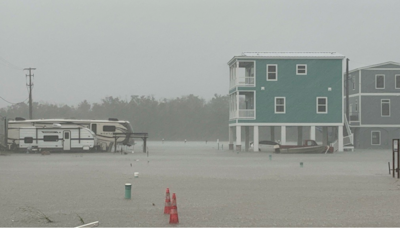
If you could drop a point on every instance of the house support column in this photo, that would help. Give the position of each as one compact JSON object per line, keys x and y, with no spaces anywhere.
{"x":247,"y":138}
{"x":340,"y":138}
{"x":324,"y":135}
{"x":238,"y":138}
{"x":312,"y":132}
{"x":230,"y":138}
{"x":272,"y":133}
{"x":283,"y":135}
{"x":255,"y":139}
{"x":299,"y":135}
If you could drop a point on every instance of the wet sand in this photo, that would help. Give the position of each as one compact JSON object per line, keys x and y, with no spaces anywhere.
{"x":213,"y":188}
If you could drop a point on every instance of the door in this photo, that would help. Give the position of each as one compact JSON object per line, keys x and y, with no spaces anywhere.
{"x":67,"y":140}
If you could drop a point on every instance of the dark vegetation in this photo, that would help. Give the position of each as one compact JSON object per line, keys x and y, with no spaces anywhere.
{"x":188,"y":117}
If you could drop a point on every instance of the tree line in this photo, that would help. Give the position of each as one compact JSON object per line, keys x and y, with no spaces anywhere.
{"x":187,"y":117}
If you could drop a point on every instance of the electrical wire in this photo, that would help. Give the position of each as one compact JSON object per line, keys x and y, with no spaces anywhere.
{"x":6,"y":63}
{"x":12,"y":102}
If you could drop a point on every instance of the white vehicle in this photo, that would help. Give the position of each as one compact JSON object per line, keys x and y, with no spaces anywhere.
{"x":57,"y":137}
{"x":104,"y":130}
{"x":266,"y":146}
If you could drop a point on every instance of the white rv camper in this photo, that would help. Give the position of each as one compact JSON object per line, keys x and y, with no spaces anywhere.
{"x":103,"y":129}
{"x":58,"y":137}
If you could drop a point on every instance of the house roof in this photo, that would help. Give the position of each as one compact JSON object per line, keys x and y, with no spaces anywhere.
{"x":378,"y":66}
{"x":290,"y":55}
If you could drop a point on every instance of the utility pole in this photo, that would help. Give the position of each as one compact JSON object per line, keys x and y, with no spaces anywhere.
{"x":30,"y":84}
{"x":347,"y":91}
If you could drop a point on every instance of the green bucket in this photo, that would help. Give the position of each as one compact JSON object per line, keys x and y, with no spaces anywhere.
{"x":128,"y":187}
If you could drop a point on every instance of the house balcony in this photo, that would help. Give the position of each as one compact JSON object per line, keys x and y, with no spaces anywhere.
{"x":354,"y":118}
{"x":242,"y":73}
{"x":242,"y":105}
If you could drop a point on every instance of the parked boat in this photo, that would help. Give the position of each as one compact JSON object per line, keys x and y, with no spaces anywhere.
{"x":309,"y":146}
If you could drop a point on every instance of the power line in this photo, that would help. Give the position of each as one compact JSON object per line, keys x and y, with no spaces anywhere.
{"x":6,"y":63}
{"x":12,"y":102}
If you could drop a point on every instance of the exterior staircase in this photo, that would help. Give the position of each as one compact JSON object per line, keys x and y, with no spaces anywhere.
{"x":348,"y":136}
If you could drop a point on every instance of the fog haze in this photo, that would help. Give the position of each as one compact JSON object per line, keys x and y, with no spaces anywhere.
{"x":92,"y":49}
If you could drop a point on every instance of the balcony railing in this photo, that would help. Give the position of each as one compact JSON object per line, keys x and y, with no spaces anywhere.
{"x":246,"y":113}
{"x":243,"y":81}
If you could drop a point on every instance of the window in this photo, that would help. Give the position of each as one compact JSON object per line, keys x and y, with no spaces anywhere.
{"x":322,"y":105}
{"x":280,"y":104}
{"x":272,"y":72}
{"x":397,"y":81}
{"x":109,"y":128}
{"x":385,"y":107}
{"x":28,"y":140}
{"x":301,"y":69}
{"x":94,"y":128}
{"x":66,"y":135}
{"x":50,"y":138}
{"x":375,"y":138}
{"x":379,"y":81}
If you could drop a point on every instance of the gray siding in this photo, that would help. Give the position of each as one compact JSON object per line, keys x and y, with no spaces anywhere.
{"x":354,"y":80}
{"x":368,"y":81}
{"x":362,"y":137}
{"x":371,"y":110}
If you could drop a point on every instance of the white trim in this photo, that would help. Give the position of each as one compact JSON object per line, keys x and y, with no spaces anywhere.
{"x":375,"y":65}
{"x":359,"y":81}
{"x":374,"y":94}
{"x":382,"y":69}
{"x":284,"y":57}
{"x":284,"y":105}
{"x":287,"y":124}
{"x":395,"y":81}
{"x":359,"y":108}
{"x":378,"y":125}
{"x":297,"y":69}
{"x":382,"y":109}
{"x":376,"y":81}
{"x":379,"y":138}
{"x":326,"y":105}
{"x":276,"y":72}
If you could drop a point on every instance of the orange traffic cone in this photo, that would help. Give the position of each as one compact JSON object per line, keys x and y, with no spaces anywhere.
{"x":167,"y":207}
{"x":173,"y":216}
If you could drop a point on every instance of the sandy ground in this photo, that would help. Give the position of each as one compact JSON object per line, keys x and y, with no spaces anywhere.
{"x":213,"y":188}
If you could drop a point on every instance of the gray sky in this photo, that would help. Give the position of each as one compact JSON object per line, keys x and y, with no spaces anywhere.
{"x":92,"y":49}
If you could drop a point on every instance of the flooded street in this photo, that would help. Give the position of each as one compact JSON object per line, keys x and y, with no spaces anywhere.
{"x":213,"y":188}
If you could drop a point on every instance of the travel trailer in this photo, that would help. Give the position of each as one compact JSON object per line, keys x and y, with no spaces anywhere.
{"x":57,"y":137}
{"x":103,"y":129}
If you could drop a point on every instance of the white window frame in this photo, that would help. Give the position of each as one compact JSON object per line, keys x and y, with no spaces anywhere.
{"x":376,"y":81}
{"x":326,"y":104}
{"x":382,"y":108}
{"x":395,"y":80}
{"x":284,"y":105}
{"x":276,"y":72}
{"x":380,"y":139}
{"x":297,"y":69}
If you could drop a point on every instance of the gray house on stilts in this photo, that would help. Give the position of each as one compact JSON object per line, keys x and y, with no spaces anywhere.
{"x":374,"y":100}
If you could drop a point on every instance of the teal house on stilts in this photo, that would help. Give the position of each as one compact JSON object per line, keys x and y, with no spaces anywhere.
{"x":286,"y":91}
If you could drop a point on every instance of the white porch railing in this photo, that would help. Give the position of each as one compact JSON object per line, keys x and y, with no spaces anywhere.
{"x":246,"y":113}
{"x":243,"y":81}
